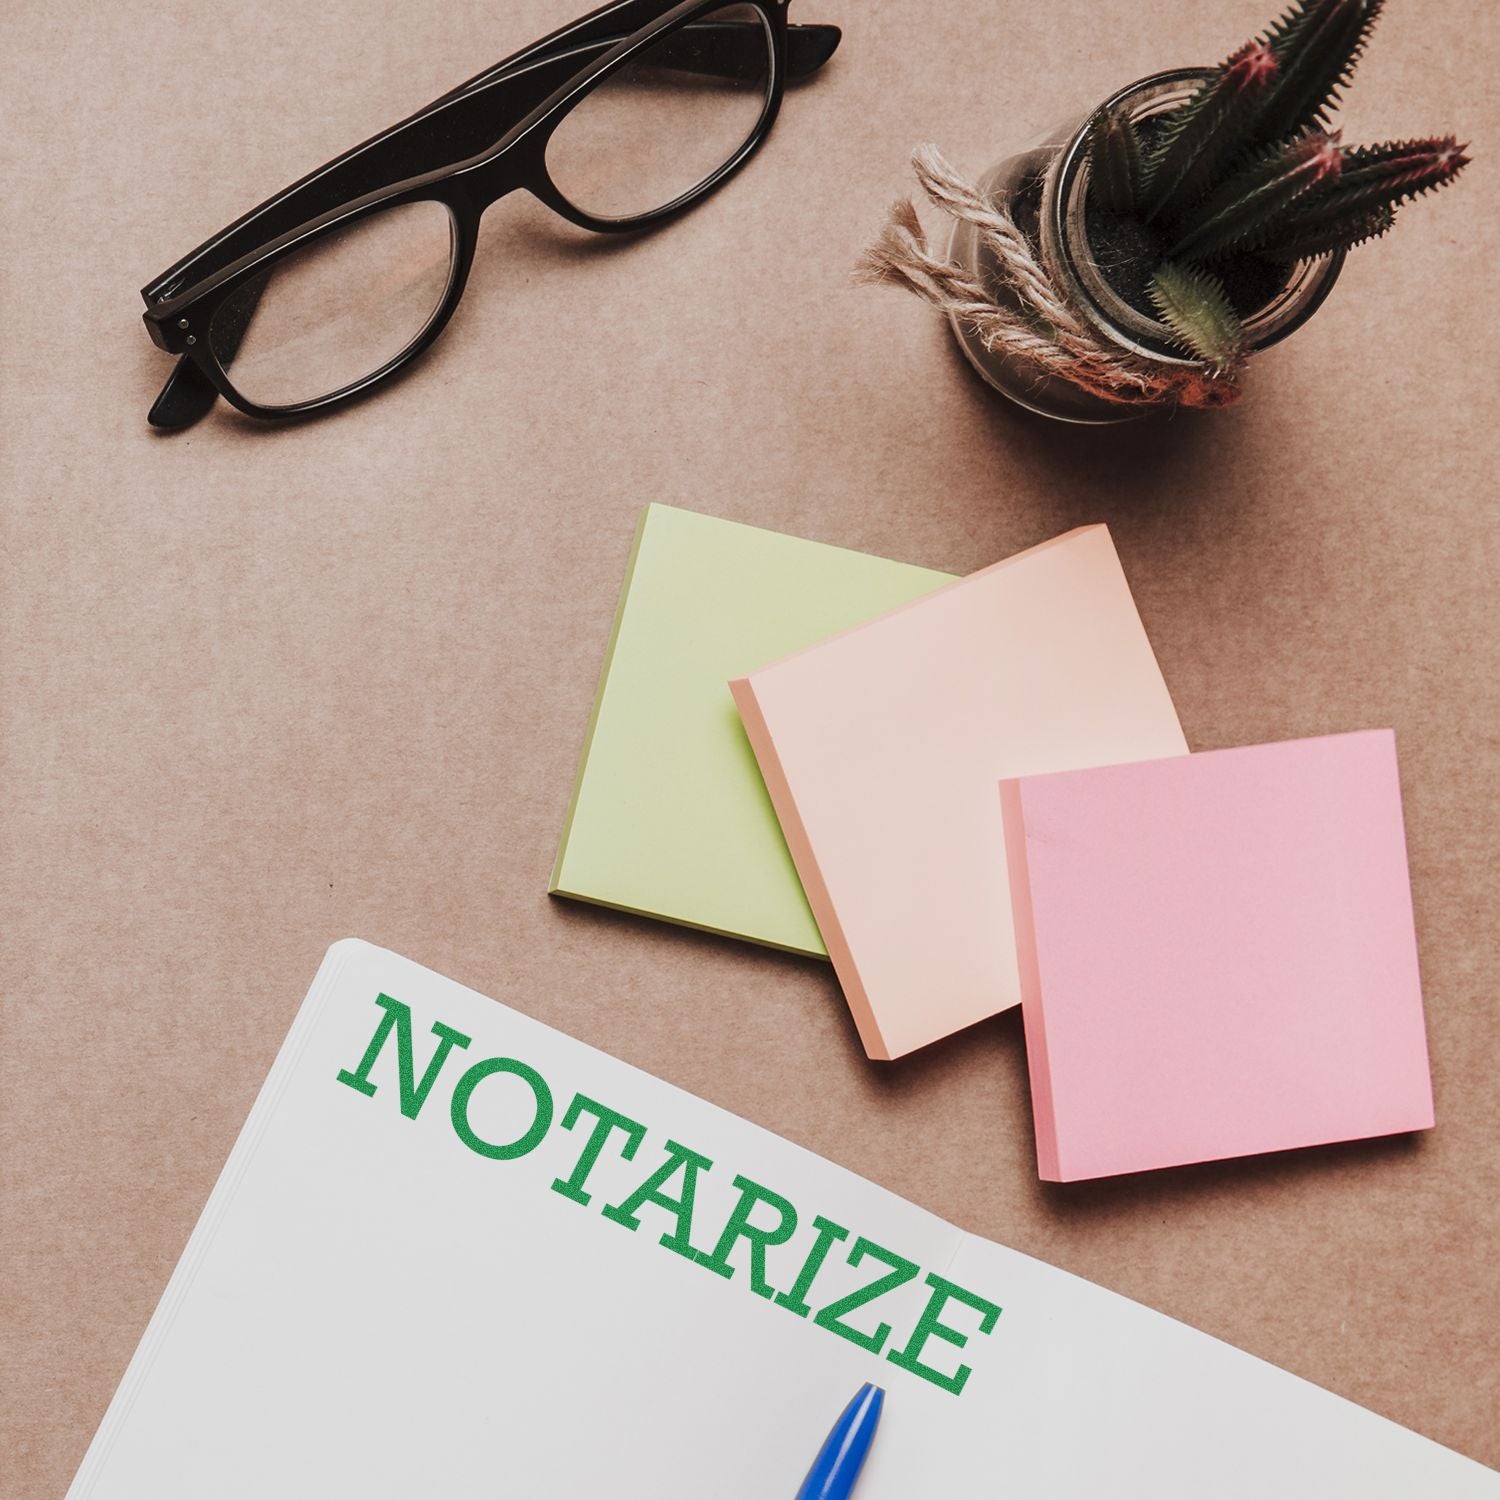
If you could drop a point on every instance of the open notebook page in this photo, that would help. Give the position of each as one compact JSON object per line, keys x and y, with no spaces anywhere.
{"x":455,"y":1253}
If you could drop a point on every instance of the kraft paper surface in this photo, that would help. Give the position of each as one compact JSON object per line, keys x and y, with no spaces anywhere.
{"x":262,"y":689}
{"x":882,"y":749}
{"x":669,"y":816}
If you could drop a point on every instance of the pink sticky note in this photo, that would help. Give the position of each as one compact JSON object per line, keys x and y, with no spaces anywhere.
{"x":881,"y":747}
{"x":1217,"y":955}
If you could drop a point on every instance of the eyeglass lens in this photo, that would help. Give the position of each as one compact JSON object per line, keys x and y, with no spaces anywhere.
{"x":326,"y":316}
{"x":669,"y":118}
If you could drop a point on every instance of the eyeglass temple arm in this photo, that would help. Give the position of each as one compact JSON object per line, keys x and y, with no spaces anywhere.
{"x":464,"y":123}
{"x":808,"y":48}
{"x":715,"y":49}
{"x":735,"y":49}
{"x":738,"y":52}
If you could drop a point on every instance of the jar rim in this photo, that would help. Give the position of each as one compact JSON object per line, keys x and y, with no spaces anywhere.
{"x":1065,"y":246}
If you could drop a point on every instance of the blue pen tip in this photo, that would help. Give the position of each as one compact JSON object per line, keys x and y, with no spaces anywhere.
{"x":843,"y":1455}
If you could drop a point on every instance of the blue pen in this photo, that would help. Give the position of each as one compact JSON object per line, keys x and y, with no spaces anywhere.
{"x":842,"y":1456}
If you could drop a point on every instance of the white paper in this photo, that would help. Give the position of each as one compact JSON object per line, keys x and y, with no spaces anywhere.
{"x":371,"y":1307}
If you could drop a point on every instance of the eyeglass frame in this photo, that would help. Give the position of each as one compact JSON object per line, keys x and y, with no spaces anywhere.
{"x":180,"y":311}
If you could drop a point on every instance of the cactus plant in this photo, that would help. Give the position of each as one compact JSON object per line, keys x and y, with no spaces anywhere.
{"x":1247,"y":177}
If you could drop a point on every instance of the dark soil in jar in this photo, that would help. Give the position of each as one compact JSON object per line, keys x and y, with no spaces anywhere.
{"x":1127,"y":253}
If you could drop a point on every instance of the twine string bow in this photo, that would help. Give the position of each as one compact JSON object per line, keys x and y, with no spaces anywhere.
{"x":1037,"y":325}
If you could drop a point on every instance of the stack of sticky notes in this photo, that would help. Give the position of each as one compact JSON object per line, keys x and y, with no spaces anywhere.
{"x":670,"y":817}
{"x":1217,"y":955}
{"x":882,"y":749}
{"x":975,"y":793}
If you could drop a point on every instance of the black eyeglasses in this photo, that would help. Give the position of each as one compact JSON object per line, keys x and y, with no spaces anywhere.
{"x":619,"y":122}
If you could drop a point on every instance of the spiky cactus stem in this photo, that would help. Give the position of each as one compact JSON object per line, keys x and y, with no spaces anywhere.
{"x":1204,"y":134}
{"x":1386,"y":176}
{"x":1193,"y":305}
{"x":1314,"y":239}
{"x":1115,"y":164}
{"x":1316,"y":45}
{"x":1238,"y":211}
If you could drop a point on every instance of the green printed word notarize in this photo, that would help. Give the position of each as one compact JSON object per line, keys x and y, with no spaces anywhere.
{"x":762,"y":1219}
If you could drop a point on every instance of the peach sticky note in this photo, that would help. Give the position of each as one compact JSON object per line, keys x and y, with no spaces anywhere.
{"x":1217,"y":955}
{"x":881,"y":748}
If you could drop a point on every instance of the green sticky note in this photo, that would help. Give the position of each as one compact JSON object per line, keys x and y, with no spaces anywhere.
{"x":670,"y":817}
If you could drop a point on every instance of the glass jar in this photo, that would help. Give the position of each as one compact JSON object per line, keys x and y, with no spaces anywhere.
{"x":1045,"y":188}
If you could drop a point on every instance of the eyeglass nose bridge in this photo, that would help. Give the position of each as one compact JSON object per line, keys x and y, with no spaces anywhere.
{"x":479,"y":187}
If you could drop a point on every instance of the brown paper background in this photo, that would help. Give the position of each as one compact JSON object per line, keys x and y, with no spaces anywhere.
{"x":265,"y":689}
